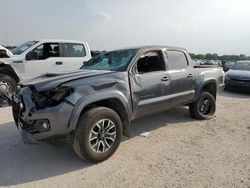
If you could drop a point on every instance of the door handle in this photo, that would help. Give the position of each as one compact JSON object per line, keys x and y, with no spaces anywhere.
{"x":165,"y":78}
{"x":190,"y":76}
{"x":59,"y":63}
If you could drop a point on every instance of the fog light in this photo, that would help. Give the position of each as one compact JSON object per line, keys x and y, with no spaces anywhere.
{"x":45,"y":125}
{"x":42,"y":125}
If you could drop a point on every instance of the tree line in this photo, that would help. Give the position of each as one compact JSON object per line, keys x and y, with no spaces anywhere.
{"x":215,"y":56}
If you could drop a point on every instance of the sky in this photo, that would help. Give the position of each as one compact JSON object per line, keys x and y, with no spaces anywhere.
{"x":200,"y":26}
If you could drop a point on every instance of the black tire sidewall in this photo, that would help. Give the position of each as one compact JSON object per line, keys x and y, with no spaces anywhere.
{"x":9,"y":80}
{"x":90,"y":118}
{"x":212,"y":107}
{"x":195,"y":107}
{"x":13,"y":84}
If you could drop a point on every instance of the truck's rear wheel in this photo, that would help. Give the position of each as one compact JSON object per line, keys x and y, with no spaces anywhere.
{"x":98,"y":134}
{"x":8,"y":86}
{"x":204,"y":107}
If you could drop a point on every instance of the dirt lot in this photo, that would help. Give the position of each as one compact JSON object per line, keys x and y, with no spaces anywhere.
{"x":179,"y":152}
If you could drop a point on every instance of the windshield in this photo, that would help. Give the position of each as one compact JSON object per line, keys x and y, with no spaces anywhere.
{"x":113,"y":61}
{"x":241,"y":66}
{"x":230,"y":63}
{"x":20,"y":49}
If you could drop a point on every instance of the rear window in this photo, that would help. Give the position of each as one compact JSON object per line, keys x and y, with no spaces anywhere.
{"x":177,"y":60}
{"x":74,"y":50}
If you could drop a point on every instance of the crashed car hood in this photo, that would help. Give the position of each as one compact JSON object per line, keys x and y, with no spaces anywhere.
{"x":238,"y":74}
{"x":52,"y":80}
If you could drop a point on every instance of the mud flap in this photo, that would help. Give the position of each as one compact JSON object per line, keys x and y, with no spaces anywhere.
{"x":127,"y":129}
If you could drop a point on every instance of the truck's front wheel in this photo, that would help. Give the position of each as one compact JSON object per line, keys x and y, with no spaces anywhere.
{"x":204,"y":107}
{"x":98,"y":134}
{"x":8,"y":86}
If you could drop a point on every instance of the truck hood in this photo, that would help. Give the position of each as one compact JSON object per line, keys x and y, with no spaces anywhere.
{"x":12,"y":59}
{"x":52,"y":80}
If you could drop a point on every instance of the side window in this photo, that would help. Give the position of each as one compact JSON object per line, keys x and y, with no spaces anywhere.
{"x":74,"y":50}
{"x":44,"y":51}
{"x":177,"y":60}
{"x":150,"y":61}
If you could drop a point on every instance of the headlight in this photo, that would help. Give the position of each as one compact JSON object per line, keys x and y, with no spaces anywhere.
{"x":58,"y":94}
{"x":51,"y":97}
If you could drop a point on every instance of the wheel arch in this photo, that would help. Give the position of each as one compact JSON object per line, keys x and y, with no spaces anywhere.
{"x":7,"y":69}
{"x":113,"y":102}
{"x":209,"y":86}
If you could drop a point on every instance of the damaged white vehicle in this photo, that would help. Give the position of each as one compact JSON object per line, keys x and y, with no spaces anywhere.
{"x":37,"y":57}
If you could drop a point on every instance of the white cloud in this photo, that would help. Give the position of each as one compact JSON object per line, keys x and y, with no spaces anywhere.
{"x":100,"y":16}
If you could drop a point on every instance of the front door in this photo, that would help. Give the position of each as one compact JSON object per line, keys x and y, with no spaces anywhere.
{"x":149,"y":81}
{"x":43,"y":59}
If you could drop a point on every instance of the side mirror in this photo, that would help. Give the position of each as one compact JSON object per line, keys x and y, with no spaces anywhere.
{"x":31,"y":56}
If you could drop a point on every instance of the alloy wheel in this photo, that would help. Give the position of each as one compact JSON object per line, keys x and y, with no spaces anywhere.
{"x":102,"y":136}
{"x":205,"y":106}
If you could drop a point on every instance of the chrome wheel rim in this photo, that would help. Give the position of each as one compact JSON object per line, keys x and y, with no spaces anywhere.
{"x":4,"y":87}
{"x":102,"y":136}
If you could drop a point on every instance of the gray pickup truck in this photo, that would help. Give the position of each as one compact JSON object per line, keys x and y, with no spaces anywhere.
{"x":96,"y":104}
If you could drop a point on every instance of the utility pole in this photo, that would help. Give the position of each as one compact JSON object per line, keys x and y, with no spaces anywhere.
{"x":6,"y":38}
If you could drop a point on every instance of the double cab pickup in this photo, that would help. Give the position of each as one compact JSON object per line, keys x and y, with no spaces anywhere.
{"x":96,"y":104}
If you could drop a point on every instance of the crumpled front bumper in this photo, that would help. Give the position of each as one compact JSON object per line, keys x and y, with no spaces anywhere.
{"x":30,"y":121}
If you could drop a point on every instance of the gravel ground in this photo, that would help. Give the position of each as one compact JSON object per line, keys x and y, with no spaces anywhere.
{"x":179,"y":152}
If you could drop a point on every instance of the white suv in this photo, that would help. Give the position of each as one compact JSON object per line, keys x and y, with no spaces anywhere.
{"x":37,"y":57}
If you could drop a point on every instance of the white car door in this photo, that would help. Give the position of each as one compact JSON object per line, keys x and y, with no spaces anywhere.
{"x":75,"y":54}
{"x":43,"y":59}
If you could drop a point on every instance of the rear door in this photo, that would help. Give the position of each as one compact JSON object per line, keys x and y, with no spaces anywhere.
{"x":74,"y":55}
{"x":182,"y":85}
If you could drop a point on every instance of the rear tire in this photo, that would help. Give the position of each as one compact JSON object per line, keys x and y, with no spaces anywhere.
{"x":8,"y":86}
{"x":98,"y":134}
{"x":204,"y":107}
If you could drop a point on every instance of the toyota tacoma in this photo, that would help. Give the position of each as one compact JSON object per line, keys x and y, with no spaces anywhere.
{"x":96,"y":104}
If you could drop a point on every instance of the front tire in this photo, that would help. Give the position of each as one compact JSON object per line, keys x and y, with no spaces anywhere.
{"x":8,"y":86}
{"x":98,"y":134}
{"x":204,"y":107}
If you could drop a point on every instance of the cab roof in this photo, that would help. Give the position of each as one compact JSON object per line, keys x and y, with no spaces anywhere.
{"x":153,"y":47}
{"x":59,"y":40}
